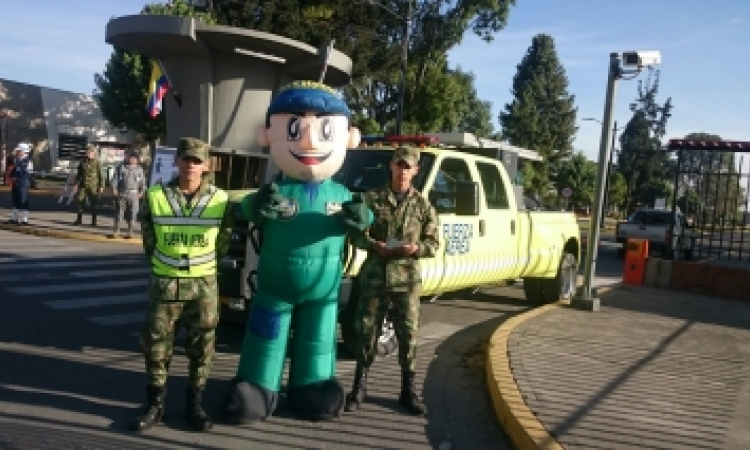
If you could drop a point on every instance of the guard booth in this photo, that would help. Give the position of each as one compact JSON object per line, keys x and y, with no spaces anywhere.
{"x":239,"y":170}
{"x":230,"y":169}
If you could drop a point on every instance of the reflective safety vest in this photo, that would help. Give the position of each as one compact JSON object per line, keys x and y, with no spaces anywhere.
{"x":185,"y":240}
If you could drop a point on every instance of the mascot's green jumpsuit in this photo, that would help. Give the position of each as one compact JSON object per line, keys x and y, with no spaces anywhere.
{"x":304,"y":217}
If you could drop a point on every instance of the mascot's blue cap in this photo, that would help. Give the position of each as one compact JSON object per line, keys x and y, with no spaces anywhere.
{"x":304,"y":95}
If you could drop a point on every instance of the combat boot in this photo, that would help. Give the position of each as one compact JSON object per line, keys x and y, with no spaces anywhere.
{"x":93,"y":219}
{"x":194,"y":413}
{"x":409,"y":398}
{"x":79,"y":219}
{"x":154,"y":409}
{"x":359,"y":390}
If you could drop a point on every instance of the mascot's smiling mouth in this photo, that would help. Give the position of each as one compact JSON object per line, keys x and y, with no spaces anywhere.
{"x":310,"y":158}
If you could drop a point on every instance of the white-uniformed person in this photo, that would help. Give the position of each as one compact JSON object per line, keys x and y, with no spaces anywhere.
{"x":128,"y":187}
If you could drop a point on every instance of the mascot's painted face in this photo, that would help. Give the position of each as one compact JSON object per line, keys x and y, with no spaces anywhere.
{"x":308,"y":131}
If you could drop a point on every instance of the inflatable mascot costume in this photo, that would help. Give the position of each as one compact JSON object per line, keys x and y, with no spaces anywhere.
{"x":305,"y":218}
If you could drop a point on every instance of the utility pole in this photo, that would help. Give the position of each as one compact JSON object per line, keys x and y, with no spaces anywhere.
{"x":584,"y":299}
{"x":3,"y":144}
{"x":609,"y":174}
{"x":404,"y":60}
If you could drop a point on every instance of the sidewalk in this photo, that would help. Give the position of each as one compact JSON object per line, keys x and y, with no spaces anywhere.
{"x":59,"y":224}
{"x":653,"y":368}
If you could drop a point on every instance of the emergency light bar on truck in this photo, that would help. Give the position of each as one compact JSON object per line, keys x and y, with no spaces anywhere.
{"x":397,"y":139}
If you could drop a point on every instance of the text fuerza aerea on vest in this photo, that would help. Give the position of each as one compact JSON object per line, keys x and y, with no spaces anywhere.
{"x":184,"y":239}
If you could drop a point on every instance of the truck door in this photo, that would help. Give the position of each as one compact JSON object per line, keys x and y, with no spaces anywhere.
{"x":459,"y":253}
{"x":499,"y":226}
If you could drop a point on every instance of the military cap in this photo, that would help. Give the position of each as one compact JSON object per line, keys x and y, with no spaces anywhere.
{"x":192,"y":148}
{"x":409,"y":155}
{"x":92,"y":148}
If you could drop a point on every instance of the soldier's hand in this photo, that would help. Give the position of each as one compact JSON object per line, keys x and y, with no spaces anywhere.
{"x":407,"y":249}
{"x":114,"y":192}
{"x":381,"y":249}
{"x":356,"y":214}
{"x":101,"y":189}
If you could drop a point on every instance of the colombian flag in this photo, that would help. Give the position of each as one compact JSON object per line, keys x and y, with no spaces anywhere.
{"x":157,"y":89}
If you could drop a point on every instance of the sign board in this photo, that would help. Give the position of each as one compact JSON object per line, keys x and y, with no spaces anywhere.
{"x":163,"y":167}
{"x":567,"y":192}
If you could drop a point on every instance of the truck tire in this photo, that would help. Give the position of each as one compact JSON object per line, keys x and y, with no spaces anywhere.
{"x":562,"y":287}
{"x":387,"y":342}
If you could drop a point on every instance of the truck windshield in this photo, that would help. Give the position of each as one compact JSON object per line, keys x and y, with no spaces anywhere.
{"x":366,"y":169}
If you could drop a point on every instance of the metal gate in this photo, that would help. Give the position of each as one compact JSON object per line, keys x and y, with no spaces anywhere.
{"x":711,"y":187}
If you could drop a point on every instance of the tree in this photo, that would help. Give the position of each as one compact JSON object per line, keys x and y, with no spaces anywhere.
{"x":617,"y":188}
{"x":372,"y":37}
{"x":642,"y":161}
{"x":579,"y":174}
{"x":542,"y":114}
{"x":122,"y":88}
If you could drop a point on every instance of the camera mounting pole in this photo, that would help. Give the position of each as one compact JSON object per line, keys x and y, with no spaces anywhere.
{"x":586,"y":296}
{"x":585,"y":299}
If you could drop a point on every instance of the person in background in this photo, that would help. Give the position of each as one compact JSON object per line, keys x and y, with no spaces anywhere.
{"x":128,"y":187}
{"x":21,"y":178}
{"x":90,"y":182}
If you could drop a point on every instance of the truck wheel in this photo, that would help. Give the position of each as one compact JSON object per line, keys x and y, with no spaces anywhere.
{"x":562,"y":287}
{"x":532,"y":289}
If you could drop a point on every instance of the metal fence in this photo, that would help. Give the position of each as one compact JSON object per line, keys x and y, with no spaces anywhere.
{"x":711,"y":187}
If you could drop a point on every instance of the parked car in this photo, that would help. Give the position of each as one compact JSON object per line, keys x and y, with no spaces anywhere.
{"x":665,"y":231}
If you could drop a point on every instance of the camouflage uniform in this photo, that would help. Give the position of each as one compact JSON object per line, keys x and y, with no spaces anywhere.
{"x":392,"y":284}
{"x":192,"y":302}
{"x":89,"y":179}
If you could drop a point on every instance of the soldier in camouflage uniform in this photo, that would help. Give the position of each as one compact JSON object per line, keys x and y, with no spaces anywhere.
{"x":405,"y":229}
{"x":191,"y":300}
{"x":90,"y":184}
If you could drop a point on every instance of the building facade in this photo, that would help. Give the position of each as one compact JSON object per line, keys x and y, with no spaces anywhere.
{"x":58,"y":124}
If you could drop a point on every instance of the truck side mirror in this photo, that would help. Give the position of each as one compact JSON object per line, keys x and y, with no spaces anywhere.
{"x":467,"y":198}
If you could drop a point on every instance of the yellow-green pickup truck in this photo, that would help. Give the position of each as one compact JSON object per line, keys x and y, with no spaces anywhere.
{"x":486,"y":236}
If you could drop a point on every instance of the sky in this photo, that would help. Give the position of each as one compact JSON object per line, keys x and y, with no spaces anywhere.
{"x":704,"y":47}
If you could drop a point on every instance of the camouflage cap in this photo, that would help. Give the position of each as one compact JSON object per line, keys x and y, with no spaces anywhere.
{"x":193,"y":148}
{"x":409,"y":155}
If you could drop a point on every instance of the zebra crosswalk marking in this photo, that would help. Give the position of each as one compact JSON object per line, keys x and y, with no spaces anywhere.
{"x":112,"y":272}
{"x":98,"y":301}
{"x":119,"y":319}
{"x":33,"y":265}
{"x":43,"y":249}
{"x":35,"y":290}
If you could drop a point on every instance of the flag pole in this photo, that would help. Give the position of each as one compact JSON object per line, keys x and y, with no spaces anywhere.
{"x":329,"y":49}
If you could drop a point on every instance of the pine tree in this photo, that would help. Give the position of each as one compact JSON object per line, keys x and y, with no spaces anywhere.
{"x":122,"y":88}
{"x":542,"y":115}
{"x":647,"y":169}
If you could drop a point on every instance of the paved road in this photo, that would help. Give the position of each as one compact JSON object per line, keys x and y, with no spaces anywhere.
{"x":72,"y":375}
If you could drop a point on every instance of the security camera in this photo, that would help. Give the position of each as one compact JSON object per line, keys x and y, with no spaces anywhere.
{"x":642,"y":58}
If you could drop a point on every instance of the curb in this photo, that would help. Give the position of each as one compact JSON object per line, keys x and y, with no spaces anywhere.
{"x":46,"y":232}
{"x":41,"y":191}
{"x":514,"y":415}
